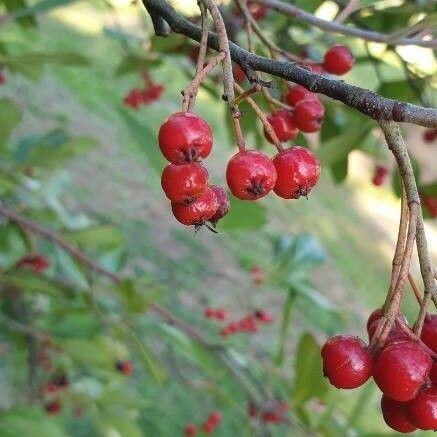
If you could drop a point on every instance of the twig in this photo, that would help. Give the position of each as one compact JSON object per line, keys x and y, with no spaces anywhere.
{"x":415,"y":289}
{"x":346,"y":11}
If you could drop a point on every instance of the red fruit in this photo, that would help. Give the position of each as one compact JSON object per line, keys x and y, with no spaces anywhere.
{"x":395,"y":333}
{"x":190,"y":430}
{"x":374,"y":315}
{"x":126,"y":367}
{"x":275,"y":416}
{"x":401,"y":369}
{"x":184,"y":183}
{"x":208,"y":427}
{"x":346,"y":361}
{"x":433,"y":373}
{"x":197,"y":212}
{"x":36,"y":262}
{"x":380,"y":175}
{"x":232,"y":328}
{"x":297,"y":93}
{"x":430,"y":203}
{"x":429,"y":135}
{"x":308,"y":115}
{"x":209,"y":312}
{"x":223,"y":204}
{"x":53,"y":408}
{"x":423,"y":409}
{"x":152,"y":93}
{"x":239,"y":74}
{"x":2,"y":78}
{"x":250,"y":175}
{"x":429,"y":332}
{"x":221,"y":314}
{"x":134,"y":98}
{"x":395,"y":415}
{"x":338,"y":60}
{"x":248,"y":324}
{"x":185,"y":137}
{"x":226,"y":331}
{"x":298,"y":171}
{"x":215,"y":418}
{"x":283,"y":124}
{"x":263,"y":316}
{"x":258,"y":11}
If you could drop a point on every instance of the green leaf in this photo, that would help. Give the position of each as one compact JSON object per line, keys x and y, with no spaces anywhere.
{"x":399,"y":90}
{"x":31,"y":282}
{"x":75,"y":324}
{"x":308,"y":381}
{"x":70,"y":270}
{"x":429,"y":189}
{"x":39,"y":8}
{"x":12,"y":245}
{"x":339,"y":170}
{"x":10,"y":117}
{"x":135,"y":64}
{"x":103,"y":237}
{"x":115,"y":425}
{"x":95,"y":352}
{"x":14,"y":7}
{"x":244,"y":215}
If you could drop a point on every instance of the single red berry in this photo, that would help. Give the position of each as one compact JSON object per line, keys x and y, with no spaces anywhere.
{"x":198,"y":212}
{"x":151,"y":94}
{"x":271,"y":417}
{"x":184,"y":183}
{"x":190,"y":430}
{"x":297,"y":93}
{"x":223,"y":204}
{"x":232,"y":328}
{"x":283,"y":124}
{"x":208,"y":427}
{"x":380,"y":175}
{"x":221,"y":314}
{"x":36,"y":262}
{"x":422,"y":409}
{"x":401,"y":369}
{"x":433,"y":374}
{"x":395,"y":415}
{"x":125,"y":367}
{"x":185,"y":137}
{"x":50,"y":387}
{"x":209,"y":312}
{"x":53,"y":408}
{"x":429,"y":135}
{"x":134,"y":98}
{"x":429,"y":332}
{"x":430,"y":203}
{"x":308,"y":115}
{"x":248,"y":324}
{"x":346,"y":361}
{"x":374,"y":315}
{"x":338,"y":60}
{"x":298,"y":171}
{"x":263,"y":316}
{"x":215,"y":417}
{"x":250,"y":175}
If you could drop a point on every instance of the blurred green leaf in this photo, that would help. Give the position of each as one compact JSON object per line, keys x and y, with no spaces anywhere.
{"x":15,"y":7}
{"x":429,"y":189}
{"x":10,"y":117}
{"x":75,"y":324}
{"x":94,"y":352}
{"x":399,"y":90}
{"x":13,"y":245}
{"x":136,"y":64}
{"x":116,"y":425}
{"x":339,"y":170}
{"x":39,"y":8}
{"x":243,"y":215}
{"x":102,"y":237}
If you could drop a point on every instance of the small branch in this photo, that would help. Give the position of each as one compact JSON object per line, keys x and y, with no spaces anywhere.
{"x":160,"y":26}
{"x":346,"y":11}
{"x":415,"y":289}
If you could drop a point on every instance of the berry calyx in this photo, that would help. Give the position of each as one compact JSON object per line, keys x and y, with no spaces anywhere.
{"x":401,"y":369}
{"x":308,"y":115}
{"x":346,"y":361}
{"x":185,"y":137}
{"x":429,"y":332}
{"x":422,"y":409}
{"x":282,"y":122}
{"x":184,"y":183}
{"x":395,"y":415}
{"x":198,"y":212}
{"x":250,"y":175}
{"x":223,"y":204}
{"x":298,"y":171}
{"x":338,"y":60}
{"x":126,"y":367}
{"x":190,"y":430}
{"x":297,"y":93}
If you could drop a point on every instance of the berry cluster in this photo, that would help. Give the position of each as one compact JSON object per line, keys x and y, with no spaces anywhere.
{"x":150,"y":93}
{"x":38,"y":263}
{"x":220,"y":314}
{"x":125,"y":366}
{"x":248,"y":324}
{"x":208,"y":426}
{"x":271,"y":415}
{"x":380,"y":175}
{"x":429,"y":135}
{"x":185,"y":138}
{"x":403,"y":370}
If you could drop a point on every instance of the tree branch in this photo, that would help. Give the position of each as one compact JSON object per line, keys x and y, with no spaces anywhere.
{"x":365,"y":101}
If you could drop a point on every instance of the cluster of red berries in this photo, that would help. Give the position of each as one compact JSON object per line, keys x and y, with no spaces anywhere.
{"x":220,"y":314}
{"x":51,"y":391}
{"x":184,"y":139}
{"x":271,"y":415}
{"x":125,"y":366}
{"x":430,"y":203}
{"x":38,"y":263}
{"x":380,"y":175}
{"x":429,"y":135}
{"x":151,"y":92}
{"x":208,"y":426}
{"x":248,"y":324}
{"x":403,"y":370}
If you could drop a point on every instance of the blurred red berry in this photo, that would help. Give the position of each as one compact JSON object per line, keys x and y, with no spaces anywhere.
{"x":430,"y":203}
{"x":263,"y":316}
{"x":2,"y":78}
{"x":221,"y":314}
{"x":215,"y":417}
{"x":36,"y":262}
{"x":190,"y":430}
{"x":53,"y":408}
{"x":380,"y":175}
{"x":126,"y":367}
{"x":429,"y":135}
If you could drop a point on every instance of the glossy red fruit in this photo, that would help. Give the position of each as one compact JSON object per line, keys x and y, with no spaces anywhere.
{"x":395,"y":333}
{"x":401,"y":369}
{"x":338,"y":60}
{"x":126,"y":367}
{"x":430,"y":203}
{"x":223,"y":204}
{"x":197,"y":212}
{"x":374,"y":315}
{"x":282,"y":122}
{"x":346,"y":361}
{"x":263,"y":316}
{"x":190,"y":430}
{"x":39,"y":263}
{"x":184,"y":183}
{"x":423,"y":409}
{"x":308,"y":115}
{"x":395,"y":415}
{"x":298,"y":171}
{"x":433,"y":374}
{"x":250,"y":175}
{"x":53,"y":408}
{"x":185,"y":137}
{"x":380,"y":175}
{"x":297,"y":93}
{"x":429,"y":332}
{"x":215,"y":417}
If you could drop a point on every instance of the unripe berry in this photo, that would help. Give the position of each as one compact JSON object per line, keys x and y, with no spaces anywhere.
{"x":346,"y":361}
{"x":423,"y":409}
{"x":282,"y":122}
{"x":338,"y":60}
{"x":308,"y":115}
{"x":395,"y":415}
{"x":297,"y":93}
{"x":298,"y":171}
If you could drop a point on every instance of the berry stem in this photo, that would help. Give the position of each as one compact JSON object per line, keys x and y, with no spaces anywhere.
{"x":415,"y":289}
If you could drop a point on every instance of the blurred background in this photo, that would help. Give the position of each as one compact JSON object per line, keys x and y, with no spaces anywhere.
{"x":80,"y":157}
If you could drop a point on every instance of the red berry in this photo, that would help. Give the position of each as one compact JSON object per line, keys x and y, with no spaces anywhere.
{"x":308,"y":115}
{"x":297,"y":93}
{"x":197,"y":212}
{"x":2,"y":78}
{"x":298,"y":171}
{"x":134,"y":98}
{"x":374,"y":315}
{"x":429,"y":135}
{"x":429,"y":332}
{"x":185,"y":137}
{"x":184,"y":183}
{"x":223,"y":204}
{"x":215,"y":418}
{"x":239,"y":74}
{"x":423,"y":409}
{"x":395,"y":415}
{"x":433,"y":373}
{"x":346,"y":361}
{"x":394,"y":335}
{"x":125,"y":367}
{"x":226,"y":331}
{"x":209,"y":313}
{"x":248,"y":324}
{"x":380,"y":175}
{"x":250,"y":175}
{"x":208,"y":427}
{"x":430,"y":203}
{"x":258,"y":11}
{"x":338,"y":60}
{"x":36,"y":262}
{"x":263,"y":316}
{"x":53,"y":408}
{"x":221,"y":314}
{"x":283,"y":124}
{"x":401,"y":369}
{"x":190,"y":430}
